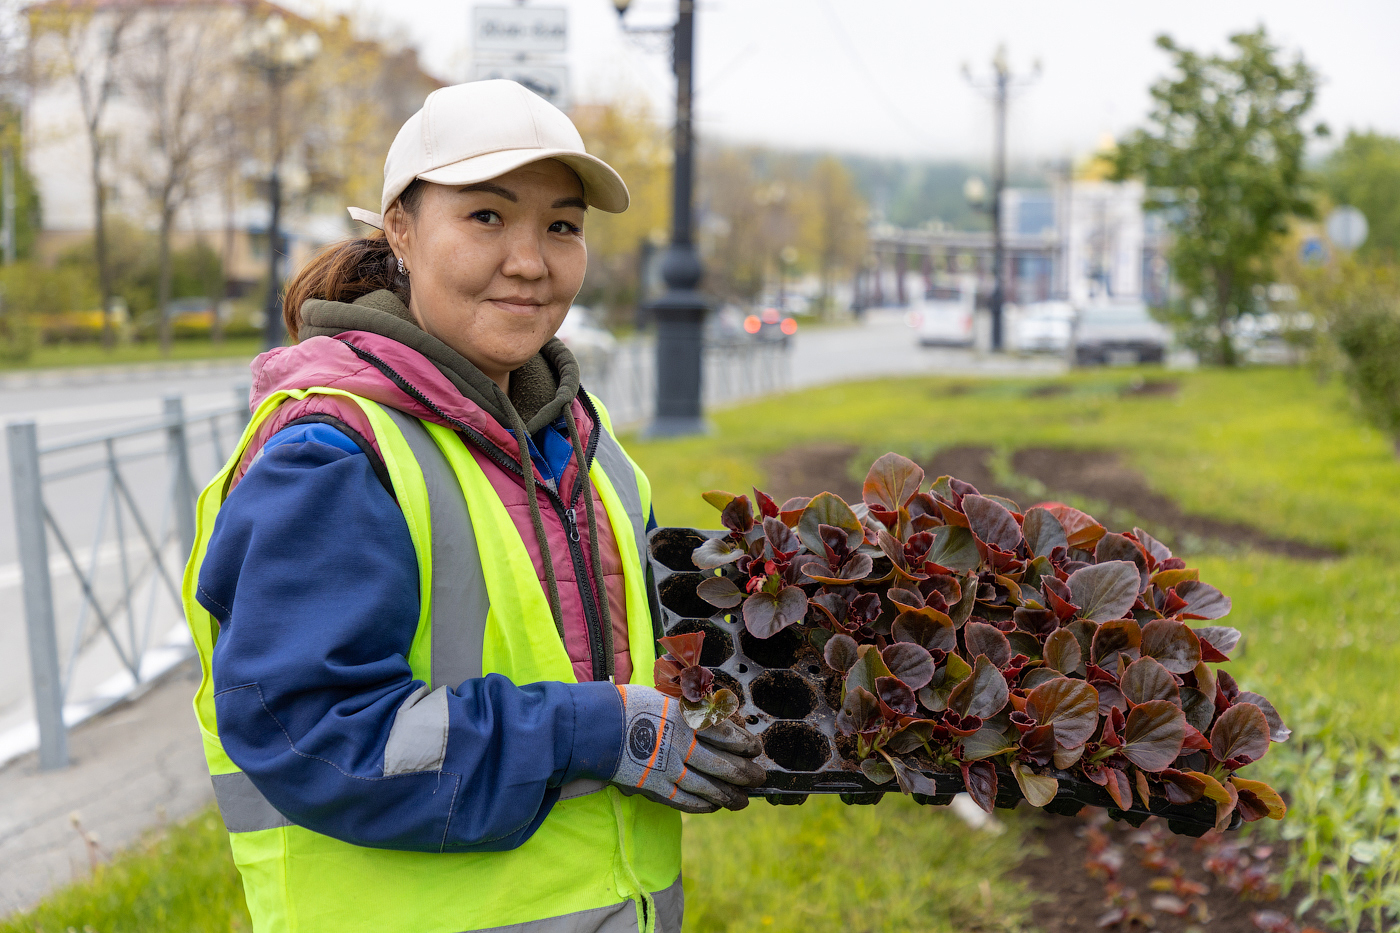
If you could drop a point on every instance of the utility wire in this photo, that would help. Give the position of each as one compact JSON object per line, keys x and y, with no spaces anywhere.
{"x":853,"y":54}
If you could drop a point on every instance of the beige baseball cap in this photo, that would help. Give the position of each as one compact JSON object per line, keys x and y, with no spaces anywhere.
{"x":468,"y":133}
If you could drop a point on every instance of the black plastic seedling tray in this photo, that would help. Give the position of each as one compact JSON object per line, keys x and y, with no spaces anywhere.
{"x":789,"y":698}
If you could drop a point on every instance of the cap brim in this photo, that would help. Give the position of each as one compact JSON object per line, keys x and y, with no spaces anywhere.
{"x":603,"y":188}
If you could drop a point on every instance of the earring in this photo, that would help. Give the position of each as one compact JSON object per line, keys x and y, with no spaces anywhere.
{"x":402,"y":270}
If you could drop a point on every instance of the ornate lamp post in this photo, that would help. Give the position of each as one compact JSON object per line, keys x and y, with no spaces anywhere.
{"x":680,"y":312}
{"x":272,"y":50}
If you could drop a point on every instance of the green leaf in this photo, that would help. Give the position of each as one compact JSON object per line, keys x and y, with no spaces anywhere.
{"x":1071,"y":706}
{"x":868,"y":667}
{"x":710,"y":711}
{"x":954,"y":548}
{"x":1104,"y":592}
{"x":1153,"y":735}
{"x":1146,"y":679}
{"x":1038,"y":789}
{"x":1043,"y":532}
{"x":892,"y":481}
{"x":1062,"y":652}
{"x":718,"y":498}
{"x":1242,"y":731}
{"x":720,"y":591}
{"x":1172,"y":643}
{"x":986,"y":742}
{"x":878,"y":770}
{"x":953,"y":672}
{"x":828,"y":509}
{"x":983,"y":695}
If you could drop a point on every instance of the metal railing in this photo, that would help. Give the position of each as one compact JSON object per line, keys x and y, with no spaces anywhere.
{"x":733,"y":370}
{"x":149,"y":550}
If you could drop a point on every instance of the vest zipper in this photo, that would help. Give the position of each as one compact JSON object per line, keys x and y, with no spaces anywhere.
{"x":587,"y":596}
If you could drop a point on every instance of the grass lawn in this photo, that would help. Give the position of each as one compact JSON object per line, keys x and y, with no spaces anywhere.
{"x":1271,"y":448}
{"x":91,"y":354}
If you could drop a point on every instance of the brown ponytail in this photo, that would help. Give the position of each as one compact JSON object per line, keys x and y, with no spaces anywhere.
{"x":350,"y":269}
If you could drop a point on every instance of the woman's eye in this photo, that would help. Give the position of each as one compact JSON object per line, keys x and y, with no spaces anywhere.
{"x":487,"y":217}
{"x":563,"y":226}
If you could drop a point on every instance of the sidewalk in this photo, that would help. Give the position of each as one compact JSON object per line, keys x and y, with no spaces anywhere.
{"x":134,"y":767}
{"x":120,"y":373}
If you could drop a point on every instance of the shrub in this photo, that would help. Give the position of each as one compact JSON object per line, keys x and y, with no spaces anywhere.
{"x":1362,"y":310}
{"x":967,"y":634}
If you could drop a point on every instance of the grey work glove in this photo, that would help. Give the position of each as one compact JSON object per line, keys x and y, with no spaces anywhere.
{"x":664,"y":759}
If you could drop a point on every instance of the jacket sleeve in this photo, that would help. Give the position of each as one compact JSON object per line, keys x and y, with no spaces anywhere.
{"x":313,"y":579}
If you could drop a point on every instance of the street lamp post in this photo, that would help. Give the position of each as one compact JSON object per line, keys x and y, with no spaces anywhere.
{"x":999,"y":88}
{"x":680,"y":311}
{"x":272,"y":51}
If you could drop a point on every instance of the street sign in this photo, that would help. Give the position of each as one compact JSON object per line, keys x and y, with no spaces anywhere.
{"x":1312,"y":252}
{"x":522,"y":30}
{"x":550,"y":81}
{"x":1346,"y":228}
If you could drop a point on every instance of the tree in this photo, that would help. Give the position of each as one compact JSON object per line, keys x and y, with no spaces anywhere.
{"x":1224,"y":150}
{"x":169,"y":70}
{"x":1364,"y":172}
{"x":84,"y":44}
{"x":837,"y":225}
{"x":625,"y":134}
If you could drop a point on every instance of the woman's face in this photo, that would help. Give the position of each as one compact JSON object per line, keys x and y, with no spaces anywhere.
{"x":494,"y":266}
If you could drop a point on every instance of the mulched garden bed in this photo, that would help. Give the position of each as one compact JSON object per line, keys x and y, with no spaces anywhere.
{"x":1097,"y":874}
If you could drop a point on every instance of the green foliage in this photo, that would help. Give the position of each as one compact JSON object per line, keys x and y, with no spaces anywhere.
{"x":1361,"y":307}
{"x":1364,"y":171}
{"x":183,"y":879}
{"x":1225,"y":144}
{"x":1344,"y":826}
{"x":196,"y":270}
{"x":27,"y":291}
{"x":28,"y":211}
{"x":752,"y":870}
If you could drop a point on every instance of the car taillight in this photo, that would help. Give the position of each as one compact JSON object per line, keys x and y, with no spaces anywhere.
{"x":789,"y":326}
{"x":752,"y":324}
{"x":914,"y":319}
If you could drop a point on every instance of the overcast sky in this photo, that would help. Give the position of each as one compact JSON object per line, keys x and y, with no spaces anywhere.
{"x":885,"y":76}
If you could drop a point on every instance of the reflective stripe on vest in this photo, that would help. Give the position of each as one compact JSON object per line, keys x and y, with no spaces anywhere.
{"x":595,"y":852}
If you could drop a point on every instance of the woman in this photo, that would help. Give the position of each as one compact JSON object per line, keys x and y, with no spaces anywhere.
{"x":419,"y":590}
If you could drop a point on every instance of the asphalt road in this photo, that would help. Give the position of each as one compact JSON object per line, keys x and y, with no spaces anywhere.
{"x":72,"y":405}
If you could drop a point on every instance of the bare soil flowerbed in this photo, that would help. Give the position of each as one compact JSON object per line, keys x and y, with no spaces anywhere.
{"x":1094,"y":874}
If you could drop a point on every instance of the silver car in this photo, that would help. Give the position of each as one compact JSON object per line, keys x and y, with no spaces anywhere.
{"x":1118,"y":335}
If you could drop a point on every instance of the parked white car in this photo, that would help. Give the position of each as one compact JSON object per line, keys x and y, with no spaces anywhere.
{"x":1044,"y":327}
{"x":1118,"y":334}
{"x":943,"y":317}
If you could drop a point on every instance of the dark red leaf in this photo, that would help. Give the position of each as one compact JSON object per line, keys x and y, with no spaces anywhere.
{"x":1203,"y":601}
{"x":1154,"y":734}
{"x":840,"y":652}
{"x":1043,"y":532}
{"x":766,"y":506}
{"x":1062,"y":652}
{"x":1172,"y":643}
{"x":1146,"y":679}
{"x":1222,"y":638}
{"x":737,"y":515}
{"x":910,"y":663}
{"x":1105,"y":591}
{"x":1278,"y":732}
{"x":720,"y":592}
{"x":1119,"y":637}
{"x":925,"y":629}
{"x":980,"y":779}
{"x":1071,"y":706}
{"x":991,"y":522}
{"x":896,"y":694}
{"x":766,"y":614}
{"x":1081,"y":530}
{"x":983,"y":694}
{"x":666,"y":675}
{"x":983,"y":639}
{"x":684,"y":648}
{"x":892,"y":481}
{"x":1242,"y":731}
{"x":696,"y":683}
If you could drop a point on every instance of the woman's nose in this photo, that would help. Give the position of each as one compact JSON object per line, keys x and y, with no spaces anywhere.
{"x":524,"y":258}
